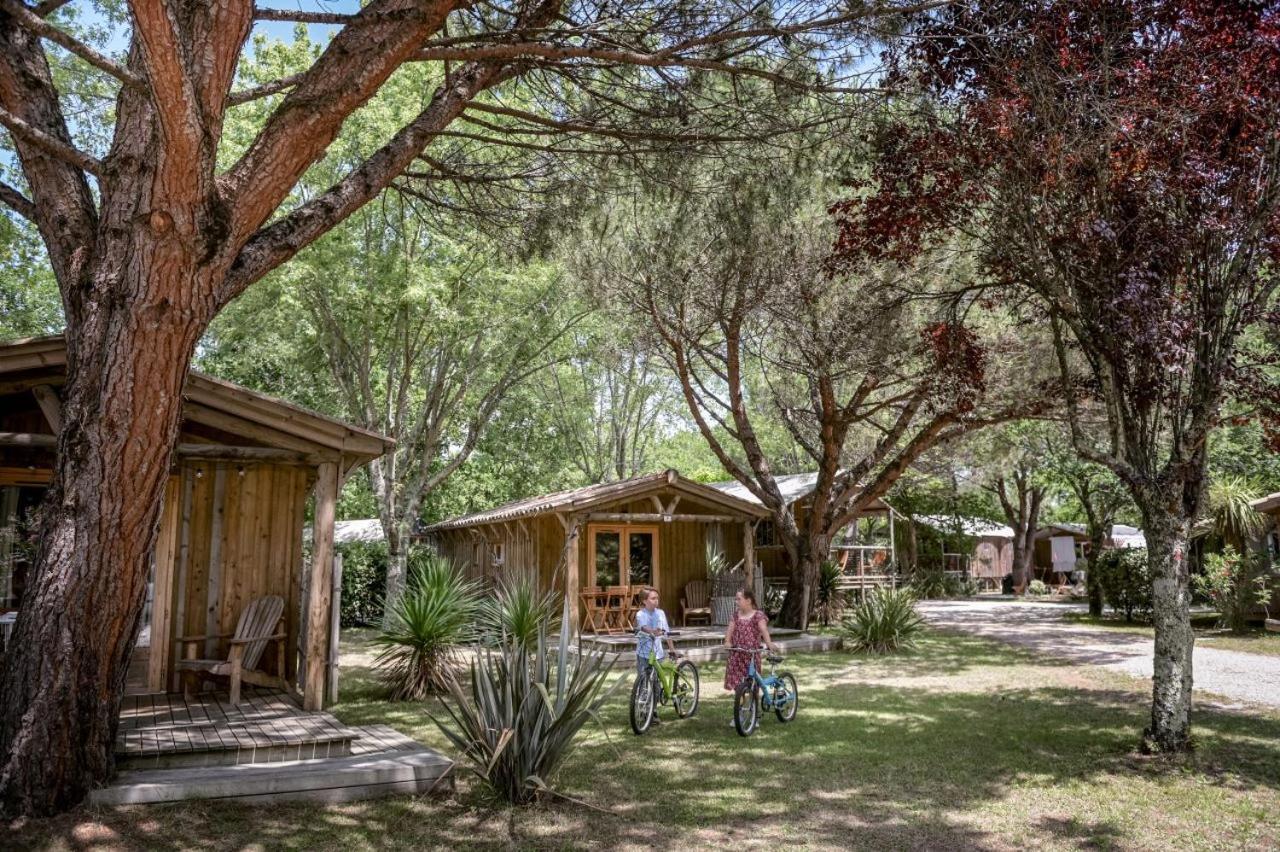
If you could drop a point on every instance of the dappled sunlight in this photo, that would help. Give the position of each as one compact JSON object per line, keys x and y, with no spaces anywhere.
{"x":959,"y":743}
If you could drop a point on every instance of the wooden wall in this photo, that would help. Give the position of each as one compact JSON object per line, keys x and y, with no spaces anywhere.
{"x":231,"y":532}
{"x":537,"y":543}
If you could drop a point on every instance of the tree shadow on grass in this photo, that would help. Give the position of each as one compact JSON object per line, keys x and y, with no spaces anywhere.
{"x":865,"y":765}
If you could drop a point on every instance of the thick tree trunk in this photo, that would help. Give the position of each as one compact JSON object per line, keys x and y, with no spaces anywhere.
{"x":62,"y":681}
{"x":802,"y":583}
{"x":1022,"y":563}
{"x":1167,"y":537}
{"x":1097,"y":540}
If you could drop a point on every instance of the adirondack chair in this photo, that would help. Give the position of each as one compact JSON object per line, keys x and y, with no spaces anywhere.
{"x":260,"y":622}
{"x":695,"y":602}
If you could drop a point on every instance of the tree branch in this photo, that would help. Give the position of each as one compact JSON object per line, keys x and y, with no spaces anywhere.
{"x":22,"y":205}
{"x":55,"y":147}
{"x":273,"y":87}
{"x":35,"y":22}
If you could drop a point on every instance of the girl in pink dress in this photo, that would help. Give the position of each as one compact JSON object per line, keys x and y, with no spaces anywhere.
{"x":748,"y":628}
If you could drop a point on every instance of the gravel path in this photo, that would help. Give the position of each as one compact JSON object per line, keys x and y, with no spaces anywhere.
{"x":1253,"y":678}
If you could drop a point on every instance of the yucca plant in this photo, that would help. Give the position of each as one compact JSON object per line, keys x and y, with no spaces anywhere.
{"x":519,"y":718}
{"x":885,"y":621}
{"x":1234,"y":520}
{"x":419,"y":644}
{"x":829,"y":601}
{"x":518,"y":611}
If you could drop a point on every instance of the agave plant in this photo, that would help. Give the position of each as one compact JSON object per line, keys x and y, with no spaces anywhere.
{"x":885,"y":621}
{"x":518,"y":612}
{"x":518,"y":719}
{"x":433,"y":617}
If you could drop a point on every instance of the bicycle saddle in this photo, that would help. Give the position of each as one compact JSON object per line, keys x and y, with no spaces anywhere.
{"x":774,"y":658}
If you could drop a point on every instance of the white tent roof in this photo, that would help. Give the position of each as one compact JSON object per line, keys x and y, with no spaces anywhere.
{"x":368,"y":529}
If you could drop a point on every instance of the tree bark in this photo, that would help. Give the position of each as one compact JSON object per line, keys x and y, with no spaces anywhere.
{"x":397,"y":571}
{"x":1097,"y":540}
{"x":803,"y":581}
{"x":63,"y":680}
{"x":1167,"y":538}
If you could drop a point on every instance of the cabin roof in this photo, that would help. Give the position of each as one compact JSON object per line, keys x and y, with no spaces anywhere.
{"x":589,"y":496}
{"x":230,"y":407}
{"x":975,"y":527}
{"x":1268,"y":504}
{"x":793,"y":486}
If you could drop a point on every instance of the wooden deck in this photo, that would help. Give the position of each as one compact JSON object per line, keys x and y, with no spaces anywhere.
{"x":265,"y":749}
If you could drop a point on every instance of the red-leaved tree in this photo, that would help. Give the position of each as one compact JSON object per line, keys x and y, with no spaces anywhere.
{"x":1120,"y":160}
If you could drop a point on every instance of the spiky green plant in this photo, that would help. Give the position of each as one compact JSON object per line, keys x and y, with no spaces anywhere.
{"x":1235,"y":521}
{"x":433,"y":617}
{"x":517,"y":611}
{"x":830,"y":600}
{"x":886,"y":620}
{"x":520,"y":716}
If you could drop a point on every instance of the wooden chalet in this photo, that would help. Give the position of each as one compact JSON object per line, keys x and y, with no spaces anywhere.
{"x":649,"y":530}
{"x":231,"y":530}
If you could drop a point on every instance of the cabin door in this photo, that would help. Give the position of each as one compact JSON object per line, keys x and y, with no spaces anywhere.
{"x":623,"y":555}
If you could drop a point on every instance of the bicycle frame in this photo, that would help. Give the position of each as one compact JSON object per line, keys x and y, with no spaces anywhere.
{"x":768,"y":685}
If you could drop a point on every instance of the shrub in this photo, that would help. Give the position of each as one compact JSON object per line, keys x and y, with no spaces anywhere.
{"x":364,"y":582}
{"x":517,"y":611}
{"x":773,"y":600}
{"x":1125,"y":580}
{"x":886,"y":620}
{"x":519,"y":718}
{"x":929,"y":583}
{"x":436,"y":614}
{"x":1037,"y":588}
{"x":1234,"y":585}
{"x":830,"y":600}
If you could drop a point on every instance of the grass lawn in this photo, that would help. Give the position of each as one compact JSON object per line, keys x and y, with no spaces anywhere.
{"x":958,"y":744}
{"x":1254,"y":642}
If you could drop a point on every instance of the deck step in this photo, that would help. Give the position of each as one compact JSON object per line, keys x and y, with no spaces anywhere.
{"x":414,"y":770}
{"x":175,"y":745}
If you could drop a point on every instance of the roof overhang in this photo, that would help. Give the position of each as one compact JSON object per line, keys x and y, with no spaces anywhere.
{"x":1269,"y":505}
{"x":224,"y":405}
{"x":580,"y":500}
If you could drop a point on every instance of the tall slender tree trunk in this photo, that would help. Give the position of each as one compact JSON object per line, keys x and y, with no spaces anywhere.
{"x":1167,"y":537}
{"x":1097,"y":540}
{"x":397,"y":570}
{"x":62,"y":680}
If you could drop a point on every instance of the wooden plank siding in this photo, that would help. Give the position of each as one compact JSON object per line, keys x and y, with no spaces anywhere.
{"x":238,"y":536}
{"x":681,"y":547}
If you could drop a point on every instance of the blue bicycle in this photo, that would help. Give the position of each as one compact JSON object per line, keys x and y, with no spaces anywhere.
{"x":756,"y":694}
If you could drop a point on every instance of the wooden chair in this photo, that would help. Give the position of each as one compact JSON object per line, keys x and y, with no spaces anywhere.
{"x":592,"y":611}
{"x":617,"y":609}
{"x":260,"y":622}
{"x":695,"y":602}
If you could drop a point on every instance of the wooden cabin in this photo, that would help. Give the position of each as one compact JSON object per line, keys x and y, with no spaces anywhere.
{"x":974,"y":548}
{"x":235,"y":507}
{"x":649,"y":530}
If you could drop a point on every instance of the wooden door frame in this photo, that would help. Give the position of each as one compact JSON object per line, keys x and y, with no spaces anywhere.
{"x":624,"y":553}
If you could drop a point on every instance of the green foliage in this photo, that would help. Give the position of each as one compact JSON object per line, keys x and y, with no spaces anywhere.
{"x":1038,"y":589}
{"x":1235,"y":585}
{"x":1125,"y":579}
{"x":1227,"y":501}
{"x":829,"y":600}
{"x":931,"y":583}
{"x":886,"y":621}
{"x":517,"y":612}
{"x":364,"y":582}
{"x":522,"y":713}
{"x":436,"y":614}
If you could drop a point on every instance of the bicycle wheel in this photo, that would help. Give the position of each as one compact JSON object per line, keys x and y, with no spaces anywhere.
{"x":685,"y":690}
{"x":643,"y":702}
{"x":786,"y":697}
{"x":746,"y":715}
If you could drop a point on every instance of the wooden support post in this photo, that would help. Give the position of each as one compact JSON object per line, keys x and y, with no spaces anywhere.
{"x":335,"y":627}
{"x":571,"y":591}
{"x":50,"y":406}
{"x":320,"y":587}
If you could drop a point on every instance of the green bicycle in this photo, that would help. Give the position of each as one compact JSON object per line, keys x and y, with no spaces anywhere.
{"x":664,"y":681}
